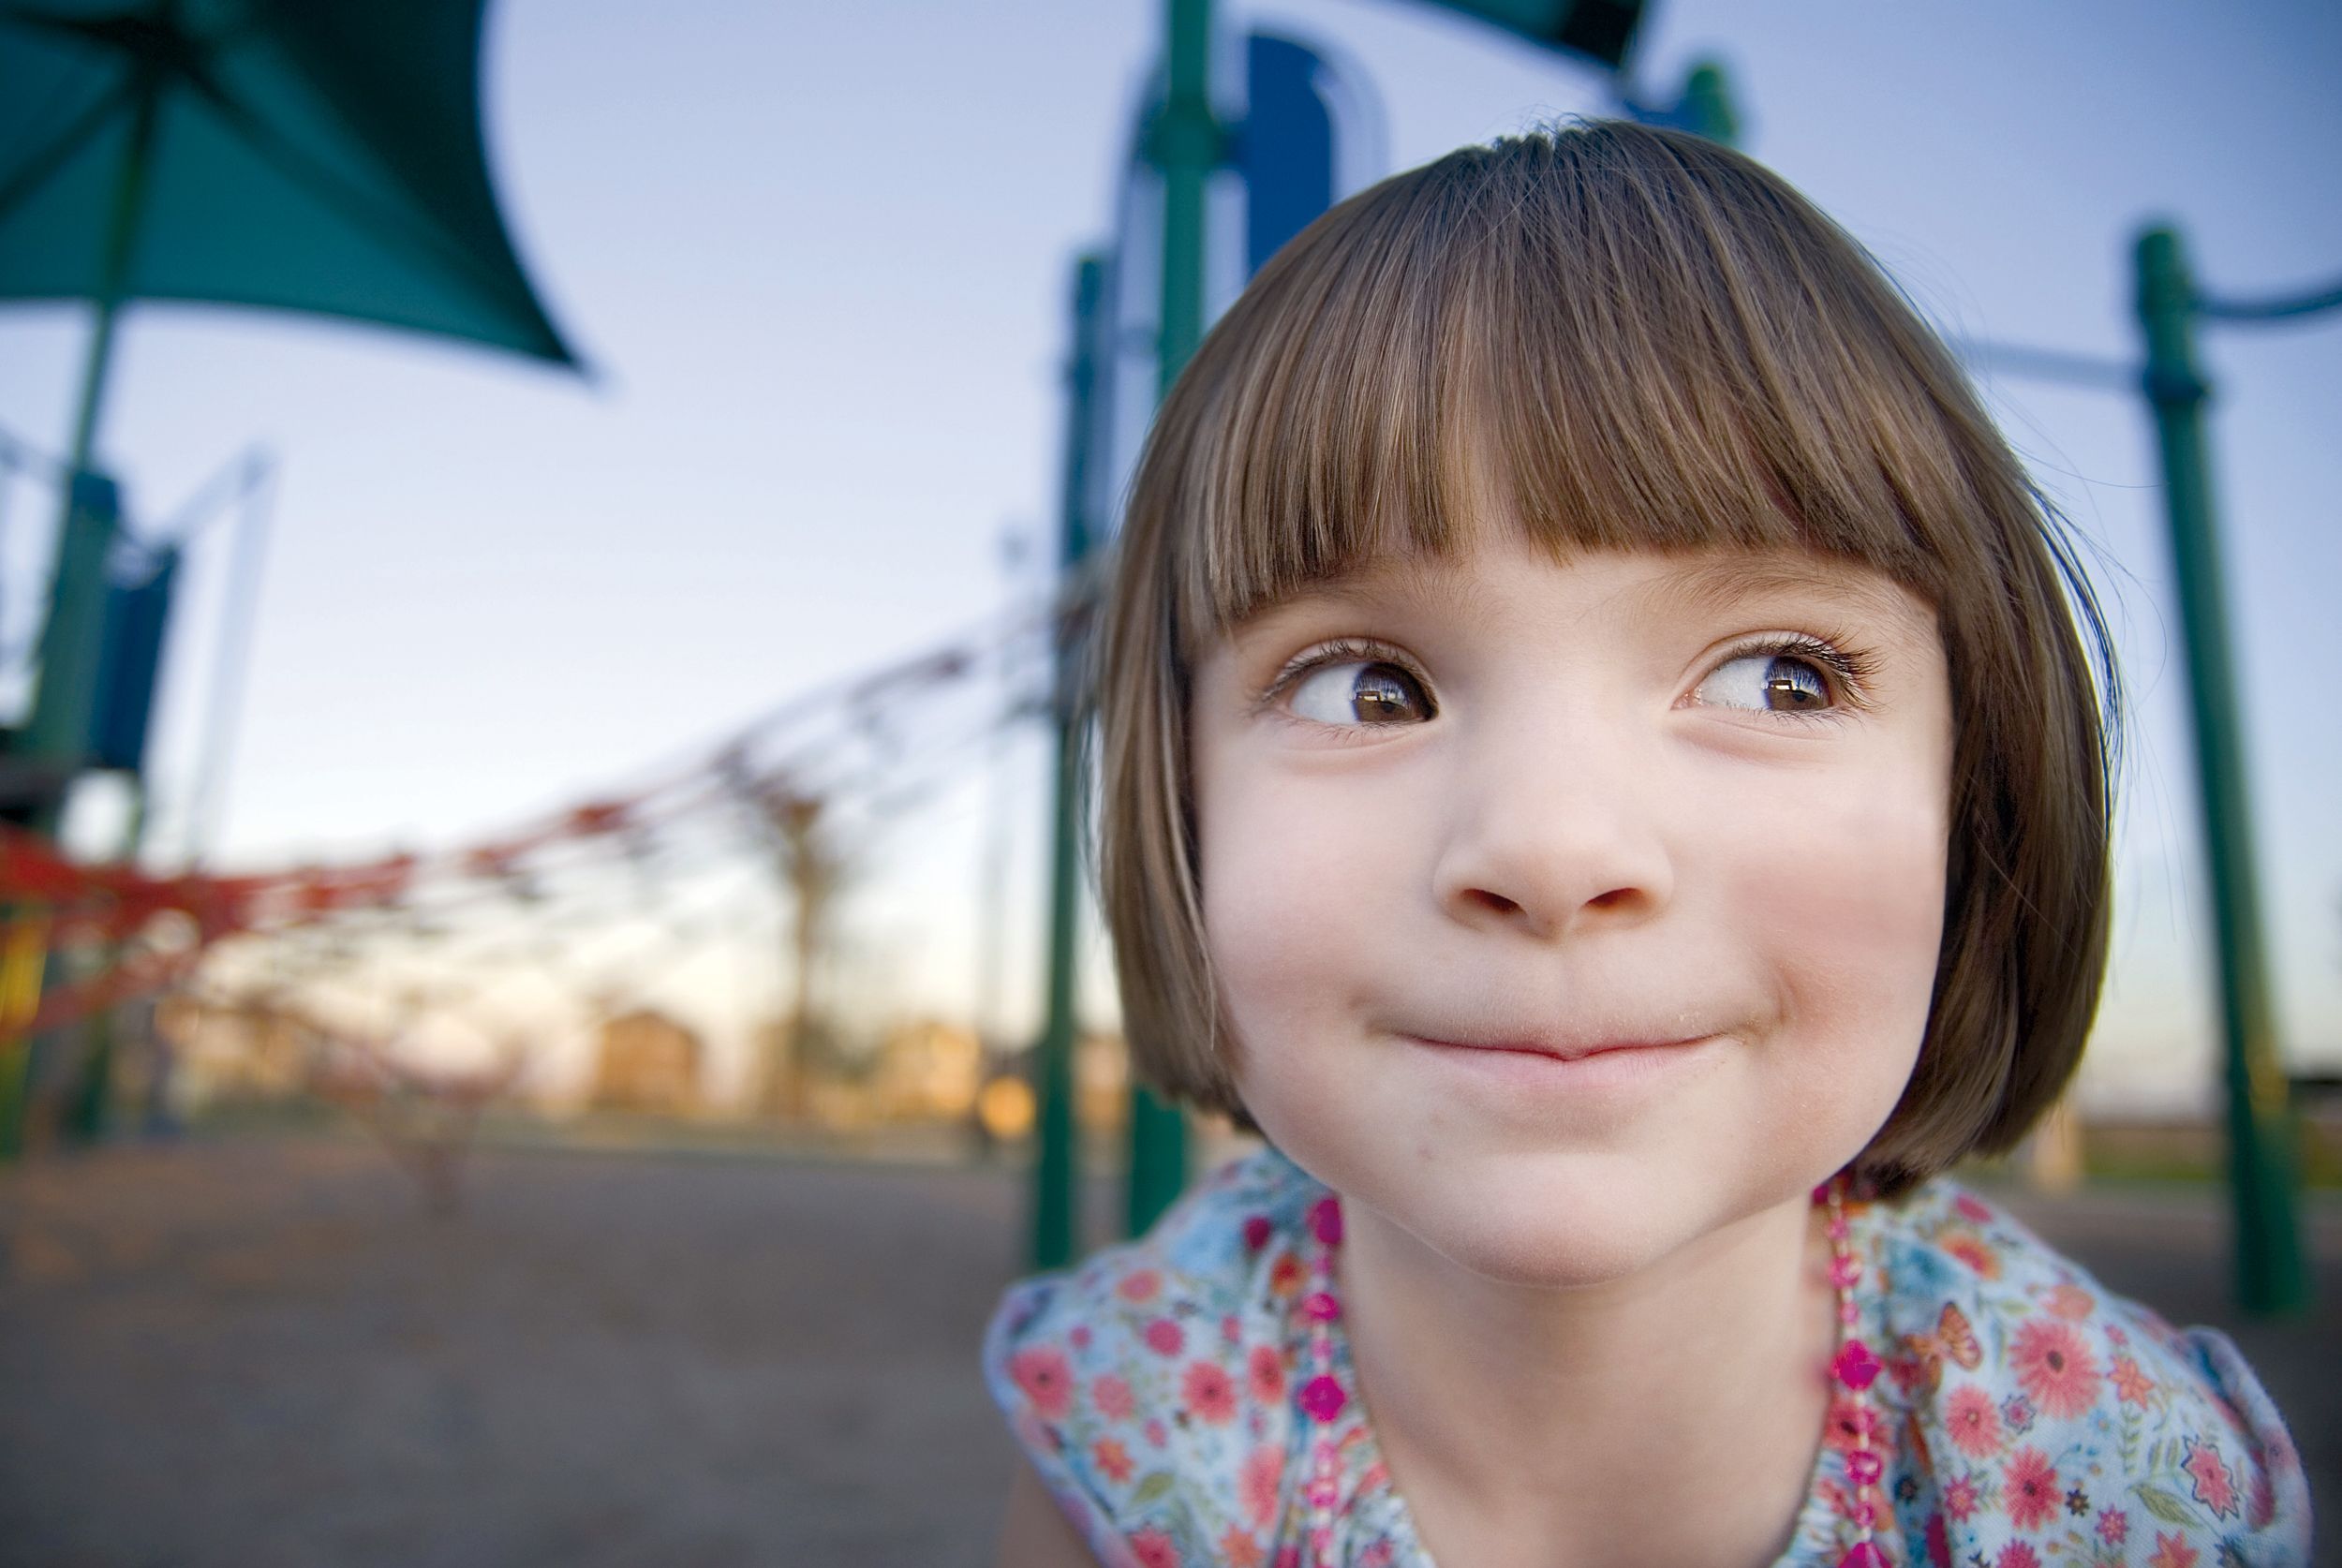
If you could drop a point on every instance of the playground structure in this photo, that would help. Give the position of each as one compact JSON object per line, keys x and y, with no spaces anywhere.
{"x":465,"y":953}
{"x":450,"y":917}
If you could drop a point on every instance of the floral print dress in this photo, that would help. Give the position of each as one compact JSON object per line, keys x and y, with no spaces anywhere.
{"x":2029,"y":1419}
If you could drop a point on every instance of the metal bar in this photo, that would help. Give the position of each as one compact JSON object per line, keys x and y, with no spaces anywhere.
{"x":2269,"y":1273}
{"x":58,"y":726}
{"x":2045,"y":364}
{"x":231,"y":659}
{"x":2311,"y":303}
{"x":1185,"y":146}
{"x":1056,"y":1166}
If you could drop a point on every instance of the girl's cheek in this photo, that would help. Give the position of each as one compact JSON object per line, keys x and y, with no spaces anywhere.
{"x":1294,"y":878}
{"x":1848,"y":892}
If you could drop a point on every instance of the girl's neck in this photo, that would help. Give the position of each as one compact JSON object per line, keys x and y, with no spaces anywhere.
{"x":1672,"y":1416}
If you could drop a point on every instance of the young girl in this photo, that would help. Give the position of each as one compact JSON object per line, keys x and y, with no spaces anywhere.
{"x":1602,"y":771}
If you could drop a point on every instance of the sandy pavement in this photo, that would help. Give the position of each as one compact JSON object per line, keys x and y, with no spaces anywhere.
{"x":263,"y":1352}
{"x":266,"y":1353}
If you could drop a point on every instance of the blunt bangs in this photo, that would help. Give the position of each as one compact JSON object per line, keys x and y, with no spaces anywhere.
{"x":1613,"y":339}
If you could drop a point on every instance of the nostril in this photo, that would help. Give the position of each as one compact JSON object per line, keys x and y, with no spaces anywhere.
{"x":1495,"y":902}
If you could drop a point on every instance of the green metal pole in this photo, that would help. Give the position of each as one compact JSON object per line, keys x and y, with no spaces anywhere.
{"x":90,"y":1111}
{"x":1056,"y":1166}
{"x":56,"y":731}
{"x":2269,"y":1273}
{"x":1185,"y":146}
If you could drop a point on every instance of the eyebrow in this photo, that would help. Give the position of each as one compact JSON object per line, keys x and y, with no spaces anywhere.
{"x":1721,"y":584}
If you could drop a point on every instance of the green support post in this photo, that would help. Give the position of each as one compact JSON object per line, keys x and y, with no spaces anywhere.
{"x":58,"y":729}
{"x":1185,"y":145}
{"x":56,"y":732}
{"x":89,"y":1112}
{"x":2269,"y":1273}
{"x":1057,"y":1166}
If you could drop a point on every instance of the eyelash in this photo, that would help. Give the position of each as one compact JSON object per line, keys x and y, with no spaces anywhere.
{"x":1342,"y":650}
{"x":1847,"y":667}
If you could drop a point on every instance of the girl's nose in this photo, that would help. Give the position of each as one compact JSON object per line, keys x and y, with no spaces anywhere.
{"x":1555,"y":834}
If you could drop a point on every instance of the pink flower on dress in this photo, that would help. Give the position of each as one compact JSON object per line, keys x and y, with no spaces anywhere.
{"x":1153,"y":1549}
{"x":1975,"y":1422}
{"x":2215,"y":1487}
{"x":1046,"y":1378}
{"x":1257,"y":1485}
{"x":2029,"y":1488}
{"x":1265,"y":1374}
{"x":1257,"y":1232}
{"x":1112,"y":1397}
{"x":2130,"y":1383}
{"x":2056,"y":1367}
{"x":1960,"y":1497}
{"x":1237,"y":1549}
{"x":1165,"y":1337}
{"x":2072,"y":1303}
{"x":1209,"y":1393}
{"x":1286,"y":1275}
{"x":1112,"y":1460}
{"x":1080,"y":1336}
{"x":2016,"y":1555}
{"x":1155,"y":1433}
{"x":1938,"y":1542}
{"x":1972,"y":1211}
{"x":1140,"y":1285}
{"x":2113,"y":1527}
{"x":2172,"y":1551}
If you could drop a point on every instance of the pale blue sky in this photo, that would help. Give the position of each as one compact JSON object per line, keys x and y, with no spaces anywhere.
{"x":818,"y":257}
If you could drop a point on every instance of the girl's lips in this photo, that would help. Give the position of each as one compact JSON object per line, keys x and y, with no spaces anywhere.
{"x":1608,"y":1071}
{"x":1560,"y":1053}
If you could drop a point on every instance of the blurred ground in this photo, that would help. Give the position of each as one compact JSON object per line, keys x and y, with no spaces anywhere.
{"x":263,"y":1351}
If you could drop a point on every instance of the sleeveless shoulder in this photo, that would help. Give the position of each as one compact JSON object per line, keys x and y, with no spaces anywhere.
{"x":1152,"y":1388}
{"x":2043,"y":1420}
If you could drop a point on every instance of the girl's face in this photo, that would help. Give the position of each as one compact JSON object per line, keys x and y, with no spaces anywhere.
{"x":1566,"y":913}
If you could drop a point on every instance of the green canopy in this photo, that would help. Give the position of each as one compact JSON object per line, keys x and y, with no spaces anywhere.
{"x":304,"y":155}
{"x":319,"y":155}
{"x":1600,"y":30}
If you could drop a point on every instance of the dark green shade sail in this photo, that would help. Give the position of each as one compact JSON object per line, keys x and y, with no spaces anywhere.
{"x":1599,"y":29}
{"x":318,"y":155}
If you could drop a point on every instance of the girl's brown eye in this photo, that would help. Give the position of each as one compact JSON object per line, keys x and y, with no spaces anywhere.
{"x":1356,"y":691}
{"x":1779,"y":683}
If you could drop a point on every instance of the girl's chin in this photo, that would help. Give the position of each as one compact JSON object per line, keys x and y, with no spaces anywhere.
{"x":1560,"y":1235}
{"x":1546,"y":1256}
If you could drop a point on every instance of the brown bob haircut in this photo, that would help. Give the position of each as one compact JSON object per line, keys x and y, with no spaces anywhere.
{"x":1656,"y":344}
